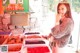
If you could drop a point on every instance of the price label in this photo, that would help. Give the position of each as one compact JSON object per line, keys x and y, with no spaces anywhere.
{"x":3,"y":48}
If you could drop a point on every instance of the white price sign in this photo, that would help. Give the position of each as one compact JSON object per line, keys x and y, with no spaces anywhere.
{"x":3,"y":48}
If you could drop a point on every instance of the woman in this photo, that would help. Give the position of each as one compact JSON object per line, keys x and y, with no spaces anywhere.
{"x":61,"y":32}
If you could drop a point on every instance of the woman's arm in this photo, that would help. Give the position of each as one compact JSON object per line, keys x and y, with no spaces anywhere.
{"x":58,"y":17}
{"x":64,"y":28}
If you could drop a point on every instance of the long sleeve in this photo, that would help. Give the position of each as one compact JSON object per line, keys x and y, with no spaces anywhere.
{"x":64,"y":28}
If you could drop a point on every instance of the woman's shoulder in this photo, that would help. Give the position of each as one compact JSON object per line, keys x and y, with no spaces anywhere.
{"x":68,"y":20}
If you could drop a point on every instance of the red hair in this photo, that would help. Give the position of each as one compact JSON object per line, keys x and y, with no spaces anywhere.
{"x":68,"y":13}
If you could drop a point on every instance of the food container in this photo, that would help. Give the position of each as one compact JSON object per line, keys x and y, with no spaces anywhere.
{"x":37,"y":45}
{"x":3,"y":38}
{"x":14,"y":48}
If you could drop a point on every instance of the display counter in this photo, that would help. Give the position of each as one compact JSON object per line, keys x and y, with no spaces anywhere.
{"x":28,"y":44}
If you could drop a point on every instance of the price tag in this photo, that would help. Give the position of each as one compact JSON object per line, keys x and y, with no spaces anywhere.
{"x":3,"y":48}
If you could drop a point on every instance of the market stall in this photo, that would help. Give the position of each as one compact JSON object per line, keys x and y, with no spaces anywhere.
{"x":12,"y":35}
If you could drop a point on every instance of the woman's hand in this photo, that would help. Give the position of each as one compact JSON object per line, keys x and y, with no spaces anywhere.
{"x":58,"y":17}
{"x":47,"y":36}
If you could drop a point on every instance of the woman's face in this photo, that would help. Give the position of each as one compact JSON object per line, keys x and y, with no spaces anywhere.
{"x":62,"y":9}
